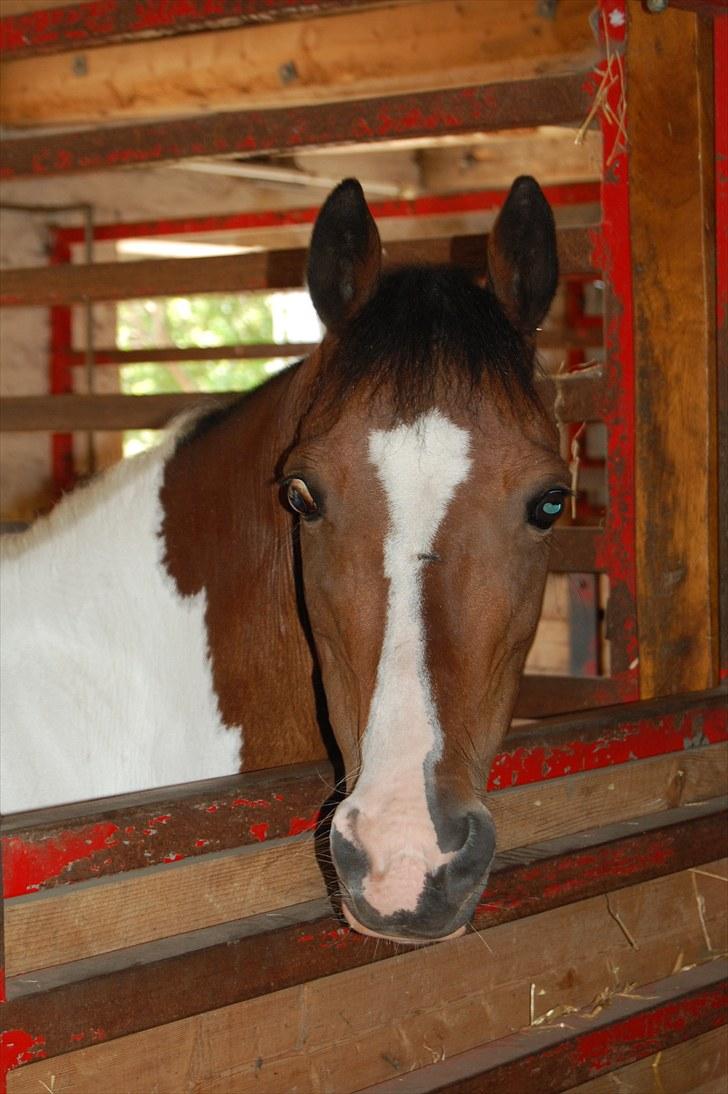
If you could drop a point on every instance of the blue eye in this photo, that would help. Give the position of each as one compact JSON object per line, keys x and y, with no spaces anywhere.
{"x":544,"y":510}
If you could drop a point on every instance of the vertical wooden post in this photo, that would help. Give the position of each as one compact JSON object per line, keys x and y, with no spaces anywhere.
{"x":720,"y":55}
{"x":670,"y":130}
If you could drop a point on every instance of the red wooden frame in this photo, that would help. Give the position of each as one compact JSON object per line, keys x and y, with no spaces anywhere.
{"x":99,"y":999}
{"x":101,"y":22}
{"x":71,"y":844}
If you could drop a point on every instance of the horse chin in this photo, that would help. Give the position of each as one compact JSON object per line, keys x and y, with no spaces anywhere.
{"x":361,"y":929}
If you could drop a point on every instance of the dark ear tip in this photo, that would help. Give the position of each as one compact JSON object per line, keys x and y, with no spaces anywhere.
{"x":349,"y":192}
{"x":526,"y":189}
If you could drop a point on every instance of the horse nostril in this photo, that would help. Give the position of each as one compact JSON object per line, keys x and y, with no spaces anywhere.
{"x":471,"y":863}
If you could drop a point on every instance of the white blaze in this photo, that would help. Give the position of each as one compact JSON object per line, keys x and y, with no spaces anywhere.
{"x":419,"y":466}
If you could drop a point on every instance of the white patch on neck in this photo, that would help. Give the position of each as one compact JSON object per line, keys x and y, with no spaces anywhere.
{"x":105,"y":668}
{"x":420,"y":467}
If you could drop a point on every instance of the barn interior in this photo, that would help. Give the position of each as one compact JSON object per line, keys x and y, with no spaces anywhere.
{"x":162,"y":166}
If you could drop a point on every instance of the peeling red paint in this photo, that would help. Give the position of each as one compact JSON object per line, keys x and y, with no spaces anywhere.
{"x":173,"y":857}
{"x":27,"y":865}
{"x":605,"y":1048}
{"x":17,"y":1047}
{"x":161,"y":820}
{"x":201,"y":842}
{"x":259,"y":803}
{"x":303,"y":824}
{"x":259,"y":831}
{"x":211,"y":809}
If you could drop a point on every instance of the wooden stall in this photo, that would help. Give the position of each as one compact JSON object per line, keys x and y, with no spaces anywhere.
{"x":182,"y":939}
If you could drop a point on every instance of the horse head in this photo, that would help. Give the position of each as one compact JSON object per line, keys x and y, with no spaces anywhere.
{"x":425,"y":476}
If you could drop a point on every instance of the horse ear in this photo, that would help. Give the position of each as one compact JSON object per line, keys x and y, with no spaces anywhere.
{"x":345,"y":256}
{"x":523,"y":268}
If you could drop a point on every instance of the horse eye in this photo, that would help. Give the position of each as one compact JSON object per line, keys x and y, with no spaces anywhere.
{"x":544,"y":511}
{"x":301,"y":500}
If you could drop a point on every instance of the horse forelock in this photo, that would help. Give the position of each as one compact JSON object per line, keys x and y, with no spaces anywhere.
{"x":429,"y":335}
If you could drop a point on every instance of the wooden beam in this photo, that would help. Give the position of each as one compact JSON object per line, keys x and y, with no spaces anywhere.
{"x":682,"y":1013}
{"x":670,"y":130}
{"x":47,"y":27}
{"x":81,"y":921}
{"x":129,"y":991}
{"x":451,"y":996}
{"x":554,"y":338}
{"x":121,"y":358}
{"x":352,"y":55}
{"x":543,"y":100}
{"x":67,"y":844}
{"x":73,"y":284}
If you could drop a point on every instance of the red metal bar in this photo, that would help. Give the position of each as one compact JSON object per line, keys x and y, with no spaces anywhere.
{"x":612,"y":254}
{"x":545,"y":100}
{"x":83,"y":841}
{"x":60,"y":378}
{"x":478,"y":201}
{"x":101,"y":22}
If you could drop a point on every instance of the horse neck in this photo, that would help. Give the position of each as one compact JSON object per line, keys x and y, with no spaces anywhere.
{"x":226,"y":533}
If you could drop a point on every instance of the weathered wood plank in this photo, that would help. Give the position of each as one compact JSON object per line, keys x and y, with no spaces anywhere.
{"x":545,"y":100}
{"x":150,"y":985}
{"x":241,"y":351}
{"x":346,"y":55}
{"x":405,"y":1012}
{"x":669,"y":121}
{"x":85,"y":840}
{"x":27,"y":30}
{"x":697,"y":1066}
{"x":663,"y":1014}
{"x":284,"y":269}
{"x":93,"y":917}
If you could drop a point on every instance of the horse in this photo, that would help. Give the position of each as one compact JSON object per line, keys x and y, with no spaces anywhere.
{"x":376,"y":517}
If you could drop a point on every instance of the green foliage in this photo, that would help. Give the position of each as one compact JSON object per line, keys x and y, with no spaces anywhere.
{"x":196,"y":321}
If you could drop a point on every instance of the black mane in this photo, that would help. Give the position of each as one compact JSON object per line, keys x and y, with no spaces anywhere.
{"x":429,"y":329}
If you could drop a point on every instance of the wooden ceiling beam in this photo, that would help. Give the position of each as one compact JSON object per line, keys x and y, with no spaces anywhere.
{"x":546,"y":100}
{"x":412,"y":47}
{"x":56,"y":27}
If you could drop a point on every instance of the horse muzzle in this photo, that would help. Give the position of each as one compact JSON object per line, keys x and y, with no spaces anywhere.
{"x":409,"y":892}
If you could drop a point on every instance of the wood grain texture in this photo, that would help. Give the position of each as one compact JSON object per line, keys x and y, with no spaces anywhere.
{"x":370,"y":1024}
{"x":671,"y":208}
{"x":698,"y":1066}
{"x":281,"y":269}
{"x":438,"y":43}
{"x":67,"y":924}
{"x":134,"y":989}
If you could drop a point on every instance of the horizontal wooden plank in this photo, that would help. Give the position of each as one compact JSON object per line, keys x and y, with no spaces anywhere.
{"x":179,"y":355}
{"x":76,"y":26}
{"x":547,"y":100}
{"x":696,"y":1066}
{"x":432,"y":44}
{"x":544,"y":695}
{"x":84,"y":840}
{"x":665,"y":1015}
{"x":107,"y":355}
{"x":396,"y":1015}
{"x":284,"y":269}
{"x":280,"y":951}
{"x":93,"y":917}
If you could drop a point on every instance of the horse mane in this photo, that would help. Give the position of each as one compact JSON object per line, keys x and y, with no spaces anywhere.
{"x":428,"y":330}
